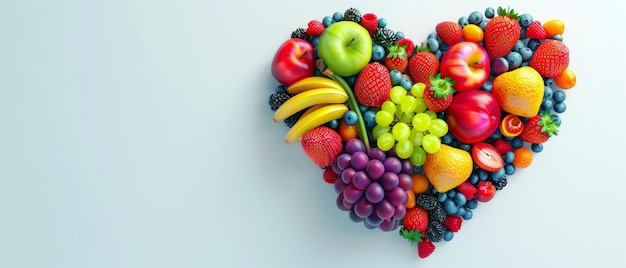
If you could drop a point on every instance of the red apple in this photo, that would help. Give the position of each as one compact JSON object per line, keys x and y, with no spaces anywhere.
{"x":485,"y":191}
{"x":473,"y":116}
{"x":293,"y":61}
{"x":467,"y":63}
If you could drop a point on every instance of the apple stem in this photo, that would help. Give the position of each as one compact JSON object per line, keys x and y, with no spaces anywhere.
{"x":352,"y":103}
{"x":303,"y":54}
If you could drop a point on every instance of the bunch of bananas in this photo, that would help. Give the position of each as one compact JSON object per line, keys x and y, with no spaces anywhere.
{"x":323,"y":98}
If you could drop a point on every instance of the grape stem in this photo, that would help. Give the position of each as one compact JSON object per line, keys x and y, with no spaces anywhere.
{"x":352,"y":103}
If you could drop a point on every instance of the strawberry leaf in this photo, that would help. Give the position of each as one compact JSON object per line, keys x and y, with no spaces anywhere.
{"x":549,"y":123}
{"x":441,"y":87}
{"x":414,"y":236}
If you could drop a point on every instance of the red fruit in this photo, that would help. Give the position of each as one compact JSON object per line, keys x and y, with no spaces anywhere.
{"x":369,"y":21}
{"x":450,"y":32}
{"x":438,"y":93}
{"x":535,"y":31}
{"x":373,"y":85}
{"x":423,"y":65}
{"x":453,"y":223}
{"x":416,"y":218}
{"x":550,"y":58}
{"x":322,"y":144}
{"x":315,"y":28}
{"x":502,"y":146}
{"x":425,"y":248}
{"x":487,"y":157}
{"x":329,"y":175}
{"x":396,"y":58}
{"x":467,"y":189}
{"x":409,"y":46}
{"x":540,"y":128}
{"x":501,"y":34}
{"x":485,"y":191}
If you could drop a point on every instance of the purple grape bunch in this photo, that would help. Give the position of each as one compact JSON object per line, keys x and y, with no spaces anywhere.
{"x":372,"y":186}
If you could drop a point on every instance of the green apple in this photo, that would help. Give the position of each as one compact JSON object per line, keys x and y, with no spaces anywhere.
{"x":346,"y":47}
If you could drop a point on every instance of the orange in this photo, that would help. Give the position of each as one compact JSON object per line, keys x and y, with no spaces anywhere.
{"x":420,"y":183}
{"x":473,"y":33}
{"x":410,"y":202}
{"x":519,"y":92}
{"x":553,"y":27}
{"x":523,"y":157}
{"x":347,"y":132}
{"x":448,"y":167}
{"x":566,"y":79}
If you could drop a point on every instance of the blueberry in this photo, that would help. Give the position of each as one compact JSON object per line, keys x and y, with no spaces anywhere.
{"x":315,"y":53}
{"x":558,"y":96}
{"x":499,"y":66}
{"x":396,"y":76}
{"x":337,"y":16}
{"x":350,"y":118}
{"x":438,"y":54}
{"x":462,"y":211}
{"x":382,"y":23}
{"x":446,"y":139}
{"x":498,"y":174}
{"x":450,"y":207}
{"x":560,"y":107}
{"x":490,"y":12}
{"x":517,"y":143}
{"x":399,"y":35}
{"x":314,"y":40}
{"x":508,"y":157}
{"x":483,"y":25}
{"x":463,"y":21}
{"x":465,"y":146}
{"x":432,"y":44}
{"x":280,"y":88}
{"x":547,"y":104}
{"x":318,"y":73}
{"x":509,"y":169}
{"x":451,"y":193}
{"x":369,"y":118}
{"x":468,"y":215}
{"x":472,"y":203}
{"x":519,"y":45}
{"x":533,"y":44}
{"x":496,"y":134}
{"x":378,"y":52}
{"x":448,"y":235}
{"x":557,"y":37}
{"x":522,"y":33}
{"x":460,"y":199}
{"x":537,"y":147}
{"x":363,"y":108}
{"x":525,"y":20}
{"x":333,"y":123}
{"x":443,"y":46}
{"x":515,"y":60}
{"x":483,"y":174}
{"x":442,"y":197}
{"x":327,"y":21}
{"x":547,"y":92}
{"x":549,"y":82}
{"x":556,"y":120}
{"x":473,"y":179}
{"x":432,"y":36}
{"x":406,"y":83}
{"x":487,"y":86}
{"x":526,"y":53}
{"x":418,"y":169}
{"x":475,"y":17}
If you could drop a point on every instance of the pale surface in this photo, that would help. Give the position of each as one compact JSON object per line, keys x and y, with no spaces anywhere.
{"x":137,"y":134}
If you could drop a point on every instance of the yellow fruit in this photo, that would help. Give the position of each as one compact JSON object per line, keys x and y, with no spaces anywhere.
{"x":553,"y":27}
{"x":520,"y":91}
{"x":473,"y":33}
{"x":448,"y":167}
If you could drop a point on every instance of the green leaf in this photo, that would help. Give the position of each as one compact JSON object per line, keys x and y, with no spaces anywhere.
{"x":414,"y":236}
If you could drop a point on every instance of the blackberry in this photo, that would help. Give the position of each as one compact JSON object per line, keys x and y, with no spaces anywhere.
{"x":438,"y":214}
{"x":426,"y":201}
{"x":499,"y":184}
{"x":277,"y":99}
{"x":300,"y":33}
{"x":290,"y":121}
{"x":384,"y":37}
{"x":352,"y":14}
{"x":435,"y":231}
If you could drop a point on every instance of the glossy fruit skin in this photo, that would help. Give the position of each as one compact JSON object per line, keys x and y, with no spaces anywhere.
{"x":346,"y":47}
{"x":485,"y":191}
{"x":523,"y":157}
{"x":467,"y":64}
{"x":511,"y":126}
{"x":294,"y":60}
{"x":473,"y":116}
{"x":550,"y":58}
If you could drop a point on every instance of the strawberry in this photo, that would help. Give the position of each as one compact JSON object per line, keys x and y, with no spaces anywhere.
{"x":535,"y":31}
{"x":501,"y":33}
{"x":453,"y":223}
{"x":329,"y":175}
{"x":450,"y":32}
{"x":550,"y":58}
{"x":322,"y":144}
{"x":502,"y":146}
{"x":369,"y":21}
{"x":425,"y":248}
{"x":423,"y":65}
{"x":315,"y":28}
{"x":373,"y":85}
{"x":540,"y":127}
{"x":467,"y":189}
{"x":409,"y":46}
{"x":438,"y":93}
{"x":416,"y":218}
{"x":396,"y":58}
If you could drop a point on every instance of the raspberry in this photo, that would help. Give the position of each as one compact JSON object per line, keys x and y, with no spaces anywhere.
{"x":467,"y":189}
{"x":502,"y":146}
{"x":329,"y":175}
{"x":370,"y":22}
{"x":315,"y":28}
{"x":453,"y":223}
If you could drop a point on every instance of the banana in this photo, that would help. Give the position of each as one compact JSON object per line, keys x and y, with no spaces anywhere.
{"x":314,"y":119}
{"x":312,"y":82}
{"x":313,"y":108}
{"x":309,"y":98}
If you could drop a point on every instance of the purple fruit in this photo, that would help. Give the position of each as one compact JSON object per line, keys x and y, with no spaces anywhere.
{"x":389,"y":225}
{"x":393,"y":164}
{"x":407,"y":166}
{"x":385,"y":210}
{"x":375,"y":169}
{"x":363,"y":208}
{"x":373,"y":220}
{"x":343,"y":161}
{"x":347,"y":204}
{"x":354,"y":145}
{"x":389,"y":180}
{"x":360,"y":180}
{"x":376,"y":153}
{"x":374,"y":193}
{"x":347,"y":174}
{"x":396,"y":196}
{"x":400,"y":212}
{"x":354,"y":217}
{"x":339,"y":186}
{"x":359,"y":160}
{"x":406,"y":182}
{"x":340,"y":204}
{"x":352,"y":194}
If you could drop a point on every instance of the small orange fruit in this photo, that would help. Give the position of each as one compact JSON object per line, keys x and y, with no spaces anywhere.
{"x":553,"y":27}
{"x":519,"y":92}
{"x":566,"y":79}
{"x":410,"y":202}
{"x":473,"y":33}
{"x":347,"y":132}
{"x":523,"y":157}
{"x":448,"y":167}
{"x":420,"y":183}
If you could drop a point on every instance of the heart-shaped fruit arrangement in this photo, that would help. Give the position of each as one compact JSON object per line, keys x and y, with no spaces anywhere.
{"x":414,"y":136}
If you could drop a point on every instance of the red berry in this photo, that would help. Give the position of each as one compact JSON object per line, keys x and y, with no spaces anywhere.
{"x":370,"y":22}
{"x":485,"y":191}
{"x":535,"y":31}
{"x":315,"y":28}
{"x":453,"y":223}
{"x":425,"y":248}
{"x":423,"y":65}
{"x":322,"y":144}
{"x":502,"y":146}
{"x":373,"y":85}
{"x":467,"y":189}
{"x":409,"y":46}
{"x":329,"y":175}
{"x":550,"y":58}
{"x":450,"y":32}
{"x":416,"y":218}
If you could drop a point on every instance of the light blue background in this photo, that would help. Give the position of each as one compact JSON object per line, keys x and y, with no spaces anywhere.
{"x":137,"y":134}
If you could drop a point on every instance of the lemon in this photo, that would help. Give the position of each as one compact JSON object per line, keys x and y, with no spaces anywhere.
{"x":519,"y":92}
{"x":448,"y":168}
